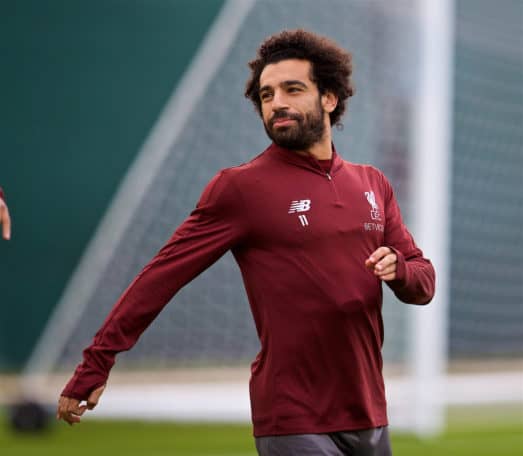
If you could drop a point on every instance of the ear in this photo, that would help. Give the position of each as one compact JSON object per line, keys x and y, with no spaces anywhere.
{"x":329,"y":101}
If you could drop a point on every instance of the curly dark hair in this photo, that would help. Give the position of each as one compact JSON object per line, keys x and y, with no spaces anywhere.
{"x":331,"y":65}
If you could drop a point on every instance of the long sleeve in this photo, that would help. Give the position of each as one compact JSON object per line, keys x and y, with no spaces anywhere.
{"x":212,"y":228}
{"x":415,"y":280}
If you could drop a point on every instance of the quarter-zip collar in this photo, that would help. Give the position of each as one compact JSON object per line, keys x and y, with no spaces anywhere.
{"x":305,"y":161}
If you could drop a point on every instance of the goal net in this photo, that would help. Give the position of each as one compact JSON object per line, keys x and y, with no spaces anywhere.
{"x":192,"y":362}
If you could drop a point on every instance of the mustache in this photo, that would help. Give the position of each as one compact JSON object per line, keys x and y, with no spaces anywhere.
{"x":284,"y":115}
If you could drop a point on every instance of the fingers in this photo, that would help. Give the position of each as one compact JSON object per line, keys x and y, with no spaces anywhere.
{"x":386,"y":276}
{"x":377,"y":255}
{"x":383,"y":263}
{"x":5,"y":220}
{"x":70,"y":410}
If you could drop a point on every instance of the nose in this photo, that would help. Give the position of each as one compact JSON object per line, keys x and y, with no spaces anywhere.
{"x":279,"y":101}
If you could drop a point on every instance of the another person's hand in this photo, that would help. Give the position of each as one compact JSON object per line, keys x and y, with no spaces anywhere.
{"x":70,"y":410}
{"x":5,"y":220}
{"x":383,"y":262}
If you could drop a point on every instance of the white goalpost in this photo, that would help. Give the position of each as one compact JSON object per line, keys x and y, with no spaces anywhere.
{"x":431,"y":170}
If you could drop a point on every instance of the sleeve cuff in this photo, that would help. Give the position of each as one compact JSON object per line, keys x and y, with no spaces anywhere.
{"x":401,"y":269}
{"x":83,"y":383}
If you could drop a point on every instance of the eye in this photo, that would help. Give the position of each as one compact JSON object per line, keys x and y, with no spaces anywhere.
{"x":294,"y":89}
{"x":265,"y":96}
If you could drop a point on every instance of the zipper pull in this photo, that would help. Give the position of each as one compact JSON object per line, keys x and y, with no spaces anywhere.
{"x":328,"y":176}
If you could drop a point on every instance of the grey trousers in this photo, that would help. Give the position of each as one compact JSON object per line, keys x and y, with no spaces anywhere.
{"x":367,"y":442}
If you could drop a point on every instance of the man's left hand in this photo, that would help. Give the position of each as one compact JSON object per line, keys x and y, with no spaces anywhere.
{"x":383,"y":262}
{"x":71,"y":410}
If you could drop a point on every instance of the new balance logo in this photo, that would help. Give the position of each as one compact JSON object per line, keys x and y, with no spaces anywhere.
{"x":299,"y":206}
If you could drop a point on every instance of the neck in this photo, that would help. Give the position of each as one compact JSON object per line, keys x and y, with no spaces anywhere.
{"x":321,"y":150}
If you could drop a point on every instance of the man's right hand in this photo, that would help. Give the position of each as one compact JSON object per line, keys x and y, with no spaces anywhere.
{"x":70,"y":410}
{"x":5,"y":220}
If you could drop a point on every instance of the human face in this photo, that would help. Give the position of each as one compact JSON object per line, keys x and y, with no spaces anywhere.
{"x":293,"y":111}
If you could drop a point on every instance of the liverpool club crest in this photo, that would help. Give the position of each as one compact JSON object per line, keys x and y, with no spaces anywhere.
{"x":375,"y":212}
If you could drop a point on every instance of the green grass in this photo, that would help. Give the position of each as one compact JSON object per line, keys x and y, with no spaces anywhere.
{"x":100,"y":438}
{"x":465,"y":441}
{"x":475,"y":432}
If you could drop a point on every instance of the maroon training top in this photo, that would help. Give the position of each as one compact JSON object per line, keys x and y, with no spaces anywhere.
{"x":301,"y":236}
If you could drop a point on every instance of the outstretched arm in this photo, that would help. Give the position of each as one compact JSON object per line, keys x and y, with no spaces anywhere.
{"x":215,"y":226}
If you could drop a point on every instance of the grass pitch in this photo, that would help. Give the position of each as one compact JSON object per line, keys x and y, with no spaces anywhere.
{"x":476,"y":432}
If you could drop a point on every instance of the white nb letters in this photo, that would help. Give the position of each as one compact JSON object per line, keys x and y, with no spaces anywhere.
{"x":300,"y":206}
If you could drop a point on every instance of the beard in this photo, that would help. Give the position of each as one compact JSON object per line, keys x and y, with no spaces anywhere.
{"x":308,"y":129}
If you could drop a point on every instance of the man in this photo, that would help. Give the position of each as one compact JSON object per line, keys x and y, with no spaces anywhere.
{"x":315,"y":237}
{"x":5,"y":219}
